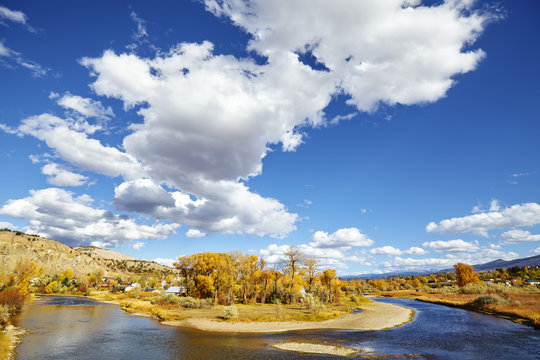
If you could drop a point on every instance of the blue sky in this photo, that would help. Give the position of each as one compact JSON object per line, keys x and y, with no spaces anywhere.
{"x":375,"y":136}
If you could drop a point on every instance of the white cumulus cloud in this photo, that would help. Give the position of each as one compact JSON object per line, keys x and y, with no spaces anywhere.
{"x":194,"y":233}
{"x":58,"y":214}
{"x":6,"y":225}
{"x":61,"y":176}
{"x":527,"y":214}
{"x":517,"y":235}
{"x":377,"y":51}
{"x":342,"y":238}
{"x":70,"y":140}
{"x":392,"y":251}
{"x":85,"y":106}
{"x":457,"y":245}
{"x":165,"y":261}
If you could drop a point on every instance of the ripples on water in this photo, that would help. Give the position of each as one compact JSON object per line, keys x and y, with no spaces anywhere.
{"x":78,"y":328}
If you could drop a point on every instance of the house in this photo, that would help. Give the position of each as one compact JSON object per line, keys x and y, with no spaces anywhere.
{"x":176,"y":290}
{"x":132,"y":286}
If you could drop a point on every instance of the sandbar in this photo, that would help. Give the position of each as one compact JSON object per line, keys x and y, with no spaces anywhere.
{"x":316,"y":348}
{"x":375,"y":316}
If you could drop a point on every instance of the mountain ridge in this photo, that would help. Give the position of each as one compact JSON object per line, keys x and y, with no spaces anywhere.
{"x":56,"y":257}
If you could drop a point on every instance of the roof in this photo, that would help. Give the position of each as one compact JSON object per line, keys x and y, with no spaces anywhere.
{"x":174,"y":289}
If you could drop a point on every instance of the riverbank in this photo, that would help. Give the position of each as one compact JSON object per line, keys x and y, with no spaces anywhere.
{"x":374,"y":316}
{"x":9,"y":339}
{"x":523,"y":309}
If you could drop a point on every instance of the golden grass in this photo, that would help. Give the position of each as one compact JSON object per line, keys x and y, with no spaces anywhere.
{"x":5,"y":342}
{"x":247,"y":312}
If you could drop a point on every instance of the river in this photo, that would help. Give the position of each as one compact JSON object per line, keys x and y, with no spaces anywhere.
{"x":79,"y":328}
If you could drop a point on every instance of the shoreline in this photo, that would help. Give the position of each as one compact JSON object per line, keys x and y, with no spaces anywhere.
{"x":375,"y":316}
{"x":14,"y":335}
{"x":498,"y":314}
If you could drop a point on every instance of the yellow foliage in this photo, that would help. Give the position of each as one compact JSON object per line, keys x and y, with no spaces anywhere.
{"x":67,"y":274}
{"x":51,"y":288}
{"x":465,"y":274}
{"x":25,"y":270}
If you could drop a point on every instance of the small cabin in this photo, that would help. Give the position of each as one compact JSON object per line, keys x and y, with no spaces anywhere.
{"x":176,"y":290}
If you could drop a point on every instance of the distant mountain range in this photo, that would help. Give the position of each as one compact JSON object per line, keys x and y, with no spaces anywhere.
{"x":492,"y":265}
{"x":497,"y":264}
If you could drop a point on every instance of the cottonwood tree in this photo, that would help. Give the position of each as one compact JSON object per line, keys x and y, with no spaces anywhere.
{"x":311,"y":265}
{"x":465,"y":274}
{"x":293,"y":259}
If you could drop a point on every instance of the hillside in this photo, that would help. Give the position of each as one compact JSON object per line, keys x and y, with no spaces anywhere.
{"x":103,"y":253}
{"x":55,"y":257}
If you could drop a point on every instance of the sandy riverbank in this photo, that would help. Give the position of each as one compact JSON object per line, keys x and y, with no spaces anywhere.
{"x":375,"y":316}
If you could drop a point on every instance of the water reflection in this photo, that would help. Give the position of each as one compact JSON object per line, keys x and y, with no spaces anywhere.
{"x":78,"y":328}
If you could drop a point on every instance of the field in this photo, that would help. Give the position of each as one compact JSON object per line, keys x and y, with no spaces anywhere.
{"x":521,"y":305}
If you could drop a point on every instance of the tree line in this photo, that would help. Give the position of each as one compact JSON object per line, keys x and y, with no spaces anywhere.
{"x":226,"y":277}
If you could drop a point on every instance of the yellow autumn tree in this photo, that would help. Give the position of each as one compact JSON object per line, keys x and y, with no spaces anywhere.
{"x":326,"y":280}
{"x":25,"y":270}
{"x":465,"y":274}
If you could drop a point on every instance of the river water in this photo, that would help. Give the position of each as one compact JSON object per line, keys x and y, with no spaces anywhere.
{"x":79,"y":328}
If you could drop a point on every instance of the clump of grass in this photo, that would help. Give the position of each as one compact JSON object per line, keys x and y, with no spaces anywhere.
{"x":279,"y":310}
{"x":491,"y":299}
{"x":478,"y":288}
{"x":359,"y":299}
{"x":230,"y":312}
{"x":313,"y":303}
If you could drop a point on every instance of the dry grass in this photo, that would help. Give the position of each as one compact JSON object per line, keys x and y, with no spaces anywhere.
{"x":523,"y":308}
{"x":5,"y":343}
{"x":246,"y":312}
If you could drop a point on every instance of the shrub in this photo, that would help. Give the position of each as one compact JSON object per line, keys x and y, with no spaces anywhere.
{"x":473,"y":288}
{"x":186,"y":302}
{"x":53,"y":287}
{"x":4,"y":314}
{"x":230,"y":312}
{"x":359,"y":299}
{"x":189,"y":303}
{"x":491,"y":299}
{"x":12,"y":298}
{"x":313,"y":303}
{"x":279,"y":309}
